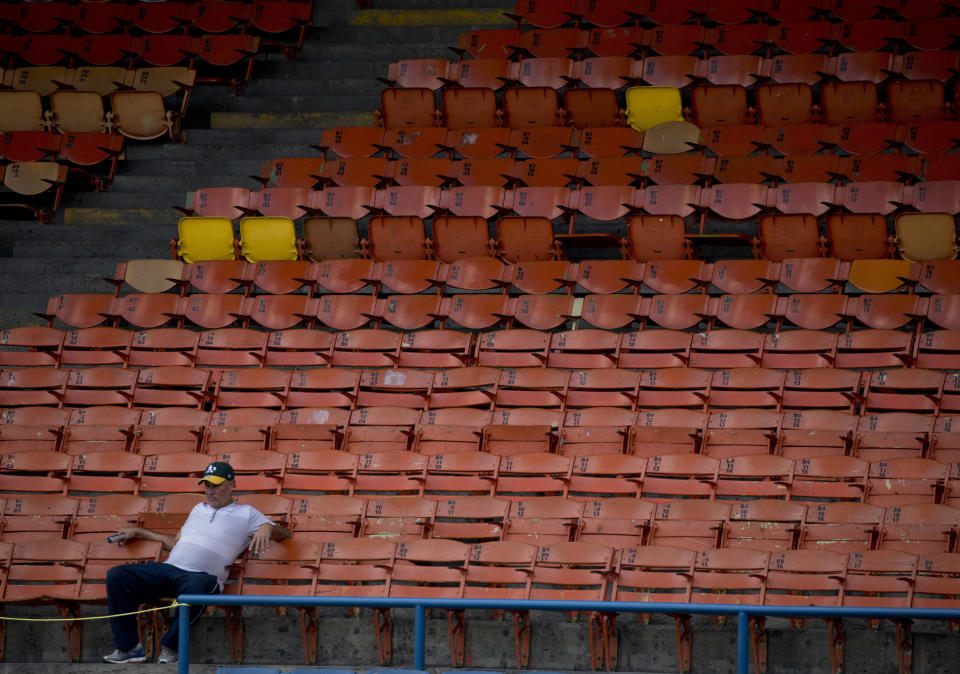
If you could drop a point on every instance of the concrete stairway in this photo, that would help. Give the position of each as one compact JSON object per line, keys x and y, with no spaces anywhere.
{"x":283,"y":109}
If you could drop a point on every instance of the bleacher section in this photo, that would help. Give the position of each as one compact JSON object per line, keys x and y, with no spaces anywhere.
{"x":633,"y":300}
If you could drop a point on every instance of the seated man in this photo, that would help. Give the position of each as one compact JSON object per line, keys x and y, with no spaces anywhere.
{"x":216,"y":532}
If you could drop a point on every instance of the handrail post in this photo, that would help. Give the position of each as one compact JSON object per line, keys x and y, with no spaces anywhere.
{"x":183,"y":641}
{"x":419,"y":636}
{"x":743,"y":643}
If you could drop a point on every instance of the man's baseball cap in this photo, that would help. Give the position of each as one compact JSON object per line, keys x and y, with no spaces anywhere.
{"x":217,"y":472}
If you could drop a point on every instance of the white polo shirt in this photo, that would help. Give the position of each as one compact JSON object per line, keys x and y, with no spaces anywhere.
{"x":212,"y":538}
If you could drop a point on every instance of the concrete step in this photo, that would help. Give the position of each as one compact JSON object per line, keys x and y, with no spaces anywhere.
{"x":183,"y":182}
{"x":384,"y":51}
{"x":134,"y":200}
{"x":55,"y":284}
{"x":24,"y":266}
{"x":15,"y":317}
{"x":119,"y":215}
{"x":140,"y":158}
{"x":310,"y":102}
{"x":333,"y":70}
{"x":312,"y":122}
{"x":146,"y":248}
{"x":299,"y":85}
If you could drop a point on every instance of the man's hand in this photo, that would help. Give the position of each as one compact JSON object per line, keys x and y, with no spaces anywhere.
{"x":128,"y":534}
{"x":261,"y":539}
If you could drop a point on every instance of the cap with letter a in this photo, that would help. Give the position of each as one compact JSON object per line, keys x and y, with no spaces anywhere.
{"x":217,"y":473}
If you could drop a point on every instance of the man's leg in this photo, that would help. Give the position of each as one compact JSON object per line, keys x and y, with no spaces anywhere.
{"x":128,"y":586}
{"x":189,"y":582}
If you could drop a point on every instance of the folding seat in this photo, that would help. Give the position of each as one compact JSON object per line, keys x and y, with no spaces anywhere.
{"x":398,"y":518}
{"x":823,"y":388}
{"x":436,"y":349}
{"x":610,"y":141}
{"x":477,"y":142}
{"x":657,"y":237}
{"x":523,"y":431}
{"x":672,"y":276}
{"x":545,"y":43}
{"x":411,"y":201}
{"x":346,"y":312}
{"x":870,"y":197}
{"x":615,"y":41}
{"x":604,"y":72}
{"x":605,"y":475}
{"x":341,"y":202}
{"x":380,"y":429}
{"x":417,"y":171}
{"x":897,"y":482}
{"x":890,"y":435}
{"x":671,"y":200}
{"x":869,"y":34}
{"x":863,"y":66}
{"x":471,"y":110}
{"x":366,"y":348}
{"x":530,"y":107}
{"x":544,"y":388}
{"x":675,"y":40}
{"x":229,"y":203}
{"x":463,"y":481}
{"x":674,"y":387}
{"x":45,"y":572}
{"x":28,"y":145}
{"x":103,"y":428}
{"x":300,"y":172}
{"x":416,"y":74}
{"x":914,"y":101}
{"x":602,"y":387}
{"x":755,"y":476}
{"x":552,"y":72}
{"x":98,"y":516}
{"x":100,"y":386}
{"x":608,"y":277}
{"x":512,"y":348}
{"x":347,"y":275}
{"x":595,"y":430}
{"x":843,"y":102}
{"x":251,"y":388}
{"x":79,"y":310}
{"x":741,"y":431}
{"x":465,"y":387}
{"x":452,"y":430}
{"x":330,"y":238}
{"x":920,"y":528}
{"x":726,"y":348}
{"x":769,"y":525}
{"x":691,"y":524}
{"x":526,"y":238}
{"x":784,"y":237}
{"x":470,"y":172}
{"x":409,"y":312}
{"x":545,"y":312}
{"x":912,"y":390}
{"x":591,"y":108}
{"x":885,"y":311}
{"x":863,"y":137}
{"x":231,"y":347}
{"x":36,"y":386}
{"x":38,"y":516}
{"x":880,"y":276}
{"x":481,"y":73}
{"x":542,"y":520}
{"x":545,"y":172}
{"x":803,"y":198}
{"x":829,"y":478}
{"x":163,"y":346}
{"x":679,"y":476}
{"x":36,"y":472}
{"x":96,"y":346}
{"x":751,"y":169}
{"x":758,"y":388}
{"x":940,"y":196}
{"x":744,"y":276}
{"x":213,"y":310}
{"x":30,"y":346}
{"x":541,"y":142}
{"x":171,"y":386}
{"x":926,"y":236}
{"x":206,"y":238}
{"x":858,"y":236}
{"x":666,"y":431}
{"x":814,"y":432}
{"x":739,"y":70}
{"x":715,"y":105}
{"x":78,"y":111}
{"x":322,"y":473}
{"x":654,"y":348}
{"x":584,"y":348}
{"x":477,"y":312}
{"x":617,"y":522}
{"x":26,"y":429}
{"x":141,"y":115}
{"x":650,"y":106}
{"x":841,"y":527}
{"x":873,"y":348}
{"x":395,"y":388}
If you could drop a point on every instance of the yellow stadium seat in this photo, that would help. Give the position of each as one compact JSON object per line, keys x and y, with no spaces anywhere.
{"x":926,"y":236}
{"x":205,"y":238}
{"x":879,"y":276}
{"x":268,"y":239}
{"x":649,"y":106}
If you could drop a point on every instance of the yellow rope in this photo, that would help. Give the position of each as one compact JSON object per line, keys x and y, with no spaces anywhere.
{"x":95,"y":617}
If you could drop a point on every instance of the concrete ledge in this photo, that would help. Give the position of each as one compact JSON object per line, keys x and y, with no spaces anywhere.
{"x":288,"y":120}
{"x":430,"y":17}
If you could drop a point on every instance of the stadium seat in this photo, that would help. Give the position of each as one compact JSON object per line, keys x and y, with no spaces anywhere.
{"x":769,"y":525}
{"x":30,"y":346}
{"x":691,"y":524}
{"x":649,"y":106}
{"x":926,"y":236}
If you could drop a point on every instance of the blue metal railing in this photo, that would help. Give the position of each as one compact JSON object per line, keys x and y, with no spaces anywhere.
{"x":420,"y":605}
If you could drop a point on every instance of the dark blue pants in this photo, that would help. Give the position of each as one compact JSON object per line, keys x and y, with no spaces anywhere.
{"x":130,"y":585}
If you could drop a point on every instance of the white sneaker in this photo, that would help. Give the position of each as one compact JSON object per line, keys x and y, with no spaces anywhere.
{"x":167,"y":656}
{"x":135,"y":654}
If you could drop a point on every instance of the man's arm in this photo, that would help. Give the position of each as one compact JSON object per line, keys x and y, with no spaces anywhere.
{"x":130,"y":533}
{"x":266,"y":533}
